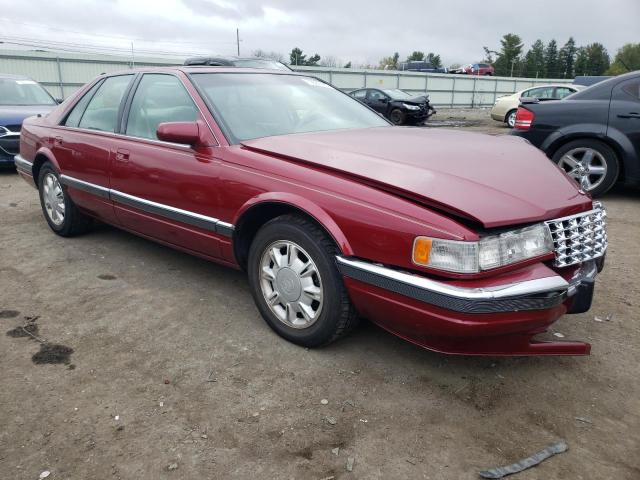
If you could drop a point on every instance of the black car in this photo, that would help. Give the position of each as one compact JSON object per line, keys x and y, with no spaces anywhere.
{"x":593,"y":135}
{"x":236,"y":62}
{"x":397,"y":105}
{"x":421,"y":66}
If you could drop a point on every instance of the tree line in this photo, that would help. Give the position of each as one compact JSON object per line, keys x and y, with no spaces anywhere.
{"x":540,"y":60}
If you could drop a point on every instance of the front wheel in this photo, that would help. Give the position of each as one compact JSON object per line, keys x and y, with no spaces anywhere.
{"x":591,"y":163}
{"x":59,"y":211}
{"x":296,"y":284}
{"x":397,"y":116}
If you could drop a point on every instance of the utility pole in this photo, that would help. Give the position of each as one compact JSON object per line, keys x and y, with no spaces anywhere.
{"x":133,"y":58}
{"x":238,"y":40}
{"x":513,"y":62}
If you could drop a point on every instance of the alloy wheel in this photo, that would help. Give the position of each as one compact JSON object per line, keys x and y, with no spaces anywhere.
{"x":291,"y":285}
{"x":586,"y":166}
{"x":53,"y":197}
{"x":511,"y":120}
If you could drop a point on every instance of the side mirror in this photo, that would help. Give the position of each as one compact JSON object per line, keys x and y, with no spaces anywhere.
{"x":59,"y":101}
{"x":186,"y":133}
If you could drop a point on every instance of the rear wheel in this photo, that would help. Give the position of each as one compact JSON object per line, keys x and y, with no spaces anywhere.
{"x":59,"y":211}
{"x":510,"y":118}
{"x":591,"y":163}
{"x":296,"y":284}
{"x":397,"y":116}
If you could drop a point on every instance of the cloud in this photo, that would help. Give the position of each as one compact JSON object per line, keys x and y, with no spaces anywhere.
{"x":357,"y":30}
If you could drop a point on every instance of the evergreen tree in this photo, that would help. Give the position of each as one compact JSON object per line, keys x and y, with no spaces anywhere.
{"x":534,"y":64}
{"x":415,"y":56}
{"x":551,"y":60}
{"x":509,"y":55}
{"x":567,"y":57}
{"x":434,"y":60}
{"x":296,"y":57}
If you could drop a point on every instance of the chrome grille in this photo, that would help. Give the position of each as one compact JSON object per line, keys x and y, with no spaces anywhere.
{"x":579,"y":238}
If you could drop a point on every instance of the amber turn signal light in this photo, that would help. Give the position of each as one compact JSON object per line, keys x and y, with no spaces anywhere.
{"x":421,"y":250}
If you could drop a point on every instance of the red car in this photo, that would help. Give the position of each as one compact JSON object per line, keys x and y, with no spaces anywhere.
{"x":459,"y":242}
{"x":479,"y":69}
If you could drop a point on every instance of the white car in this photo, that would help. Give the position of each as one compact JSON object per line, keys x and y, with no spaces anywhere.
{"x":504,"y":110}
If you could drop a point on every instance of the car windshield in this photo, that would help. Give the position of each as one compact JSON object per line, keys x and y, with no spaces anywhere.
{"x":23,"y":92}
{"x":254,"y":105}
{"x":256,"y":63}
{"x":398,"y":94}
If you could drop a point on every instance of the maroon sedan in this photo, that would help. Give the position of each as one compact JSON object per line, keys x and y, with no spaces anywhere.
{"x":333,"y":213}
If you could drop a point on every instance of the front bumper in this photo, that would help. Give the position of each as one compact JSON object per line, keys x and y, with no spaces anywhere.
{"x":499,"y":319}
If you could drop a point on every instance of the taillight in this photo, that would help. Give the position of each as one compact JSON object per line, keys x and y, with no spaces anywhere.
{"x":524,"y":119}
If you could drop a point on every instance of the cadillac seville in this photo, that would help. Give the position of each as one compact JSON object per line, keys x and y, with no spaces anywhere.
{"x":459,"y":242}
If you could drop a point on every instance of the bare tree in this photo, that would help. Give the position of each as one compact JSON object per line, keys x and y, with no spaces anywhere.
{"x":278,"y":57}
{"x":330,"y":61}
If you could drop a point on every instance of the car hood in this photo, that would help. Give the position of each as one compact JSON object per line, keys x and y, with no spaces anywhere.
{"x":419,"y":99}
{"x":493,"y":180}
{"x":15,"y":114}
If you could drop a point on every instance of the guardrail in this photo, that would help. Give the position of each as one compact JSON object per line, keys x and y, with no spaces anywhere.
{"x":63,"y":73}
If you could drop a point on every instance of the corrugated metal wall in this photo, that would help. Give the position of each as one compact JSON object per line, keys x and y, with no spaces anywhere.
{"x":63,"y":73}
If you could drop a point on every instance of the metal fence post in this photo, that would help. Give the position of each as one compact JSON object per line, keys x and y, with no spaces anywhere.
{"x":495,"y":89}
{"x":60,"y":77}
{"x":365,"y":79}
{"x":453,"y":91}
{"x":473,"y":94}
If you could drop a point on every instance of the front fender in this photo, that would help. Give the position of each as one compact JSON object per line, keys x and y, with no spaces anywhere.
{"x":303,"y":204}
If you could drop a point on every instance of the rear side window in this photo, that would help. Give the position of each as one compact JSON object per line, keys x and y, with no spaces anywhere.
{"x":360,"y":94}
{"x":102,"y":112}
{"x":159,"y":98}
{"x":632,"y":88}
{"x":73,"y":119}
{"x":562,"y":92}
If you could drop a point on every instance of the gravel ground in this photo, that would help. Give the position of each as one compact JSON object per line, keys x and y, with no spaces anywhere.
{"x":157,"y":365}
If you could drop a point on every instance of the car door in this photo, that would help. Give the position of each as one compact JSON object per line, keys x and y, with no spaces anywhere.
{"x":164,"y":190}
{"x":378,"y":100}
{"x":624,"y":116}
{"x":82,"y":144}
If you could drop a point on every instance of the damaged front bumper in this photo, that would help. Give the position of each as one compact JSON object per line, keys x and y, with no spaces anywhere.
{"x":492,"y":319}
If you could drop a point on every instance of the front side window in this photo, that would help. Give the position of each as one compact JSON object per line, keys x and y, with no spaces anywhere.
{"x":159,"y":98}
{"x":376,"y":95}
{"x":253,"y":105}
{"x":23,"y":92}
{"x":102,"y":112}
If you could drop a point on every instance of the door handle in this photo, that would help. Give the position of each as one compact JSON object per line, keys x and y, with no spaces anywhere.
{"x":629,"y":115}
{"x":122,"y":155}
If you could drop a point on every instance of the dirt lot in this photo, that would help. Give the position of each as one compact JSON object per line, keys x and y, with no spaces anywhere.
{"x":165,"y":370}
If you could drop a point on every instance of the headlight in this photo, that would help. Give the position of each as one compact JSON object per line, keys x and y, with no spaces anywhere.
{"x":490,"y":252}
{"x":410,"y":107}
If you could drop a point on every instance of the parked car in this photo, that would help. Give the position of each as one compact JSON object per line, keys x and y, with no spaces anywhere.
{"x":505,"y":107}
{"x":460,"y":69}
{"x":240,"y":62}
{"x":396,"y":105}
{"x":479,"y":69}
{"x":332,"y":212}
{"x":421,"y":66}
{"x":20,"y":97}
{"x":593,"y":135}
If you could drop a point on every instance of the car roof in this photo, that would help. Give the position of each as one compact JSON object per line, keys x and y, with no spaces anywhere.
{"x":203,"y":69}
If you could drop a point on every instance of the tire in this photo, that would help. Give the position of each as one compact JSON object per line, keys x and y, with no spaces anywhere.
{"x":334,"y":315}
{"x":591,"y":163}
{"x":510,"y":118}
{"x":397,"y":116}
{"x":63,"y":216}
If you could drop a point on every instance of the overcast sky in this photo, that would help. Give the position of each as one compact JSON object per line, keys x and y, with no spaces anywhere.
{"x":358,"y":30}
